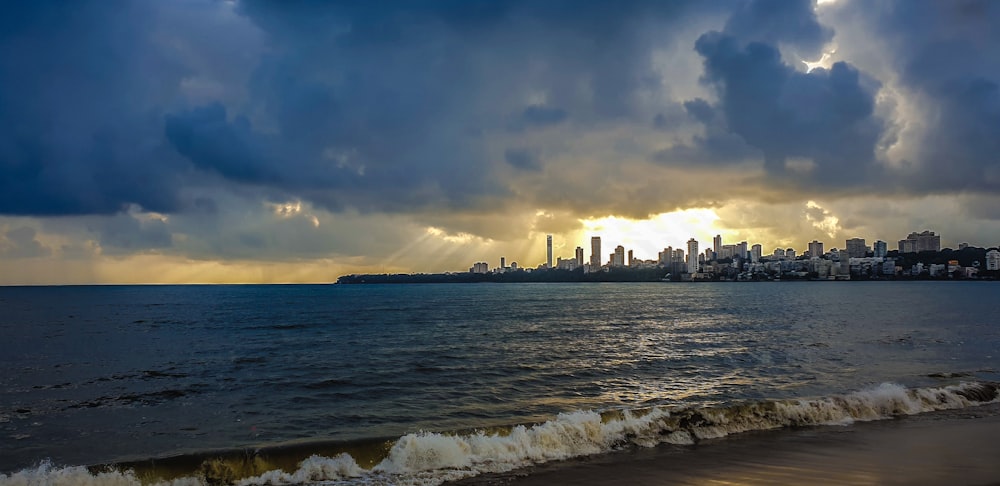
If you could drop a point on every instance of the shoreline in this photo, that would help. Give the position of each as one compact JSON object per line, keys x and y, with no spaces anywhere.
{"x":947,"y":447}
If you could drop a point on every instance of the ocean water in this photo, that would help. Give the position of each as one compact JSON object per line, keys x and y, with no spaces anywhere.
{"x":421,"y":384}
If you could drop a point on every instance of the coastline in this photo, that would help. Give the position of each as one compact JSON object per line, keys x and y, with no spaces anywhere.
{"x":947,"y":447}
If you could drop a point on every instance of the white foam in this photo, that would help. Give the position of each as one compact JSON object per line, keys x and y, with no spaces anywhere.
{"x":313,"y":468}
{"x":48,"y":475}
{"x":428,"y":458}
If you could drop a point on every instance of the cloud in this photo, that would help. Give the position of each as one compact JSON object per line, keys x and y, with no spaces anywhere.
{"x":207,"y":138}
{"x":822,"y":219}
{"x":826,"y":116}
{"x":540,"y":116}
{"x":132,"y":232}
{"x":522,"y":159}
{"x":254,"y":130}
{"x":791,"y":23}
{"x":939,"y":58}
{"x":78,"y":110}
{"x":20,"y":242}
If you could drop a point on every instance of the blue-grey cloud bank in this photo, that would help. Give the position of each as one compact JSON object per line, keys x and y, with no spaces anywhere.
{"x":456,"y":115}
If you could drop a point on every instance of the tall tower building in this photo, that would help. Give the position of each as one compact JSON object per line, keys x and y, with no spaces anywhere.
{"x":755,"y":253}
{"x":618,"y":257}
{"x":816,"y":249}
{"x":548,"y":251}
{"x":741,"y":250}
{"x":579,"y":256}
{"x":595,"y":251}
{"x":717,"y":245}
{"x":692,"y":256}
{"x":881,"y":249}
{"x":856,"y":248}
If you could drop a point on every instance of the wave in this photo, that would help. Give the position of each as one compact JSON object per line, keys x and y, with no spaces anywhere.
{"x":430,"y":458}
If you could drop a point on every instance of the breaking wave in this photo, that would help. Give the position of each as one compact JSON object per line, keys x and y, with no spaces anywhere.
{"x":429,"y":458}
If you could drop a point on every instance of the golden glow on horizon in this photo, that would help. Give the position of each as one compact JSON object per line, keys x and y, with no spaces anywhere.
{"x":650,"y":236}
{"x":162,"y":269}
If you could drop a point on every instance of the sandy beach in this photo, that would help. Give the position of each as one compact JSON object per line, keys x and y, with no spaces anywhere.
{"x":954,"y":447}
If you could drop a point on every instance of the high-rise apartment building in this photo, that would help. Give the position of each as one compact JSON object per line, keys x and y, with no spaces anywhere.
{"x":856,"y":248}
{"x":548,"y":251}
{"x":666,"y":256}
{"x":692,"y":261}
{"x":755,"y":253}
{"x":917,"y":242}
{"x":993,"y":260}
{"x":741,"y":250}
{"x":579,"y":256}
{"x":880,"y":249}
{"x":816,"y":249}
{"x":595,"y":251}
{"x":618,"y":257}
{"x":717,"y":246}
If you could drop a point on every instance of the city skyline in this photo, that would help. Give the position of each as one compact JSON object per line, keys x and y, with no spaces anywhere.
{"x":856,"y":247}
{"x":247,"y":141}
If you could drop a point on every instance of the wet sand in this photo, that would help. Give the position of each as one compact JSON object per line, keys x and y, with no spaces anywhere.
{"x":954,"y":447}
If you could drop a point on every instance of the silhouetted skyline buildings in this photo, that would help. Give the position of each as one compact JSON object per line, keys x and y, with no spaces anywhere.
{"x":739,"y":260}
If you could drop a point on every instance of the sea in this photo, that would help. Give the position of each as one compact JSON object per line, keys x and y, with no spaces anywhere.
{"x":432,"y":383}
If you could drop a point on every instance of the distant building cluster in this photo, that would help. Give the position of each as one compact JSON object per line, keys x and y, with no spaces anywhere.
{"x":742,"y":262}
{"x":918,"y":242}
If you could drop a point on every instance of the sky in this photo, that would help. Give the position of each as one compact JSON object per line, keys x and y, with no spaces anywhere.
{"x":211,"y":141}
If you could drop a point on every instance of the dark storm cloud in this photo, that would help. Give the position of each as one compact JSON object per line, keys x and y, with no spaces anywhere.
{"x":387,"y":107}
{"x":946,"y":54}
{"x":78,"y":85}
{"x":522,"y":159}
{"x":390,"y":107}
{"x":232,"y":149}
{"x":826,"y":116}
{"x":824,"y":120}
{"x":791,"y":23}
{"x":538,"y":116}
{"x":381,"y":107}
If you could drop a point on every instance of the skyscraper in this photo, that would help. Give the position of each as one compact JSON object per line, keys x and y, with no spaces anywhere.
{"x":856,"y":248}
{"x":816,"y":249}
{"x":741,"y":250}
{"x":923,"y":241}
{"x":618,"y":257}
{"x":755,"y":253}
{"x":881,"y":249}
{"x":579,"y":256}
{"x":548,"y":251}
{"x":717,"y":245}
{"x":595,"y":251}
{"x":692,"y":256}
